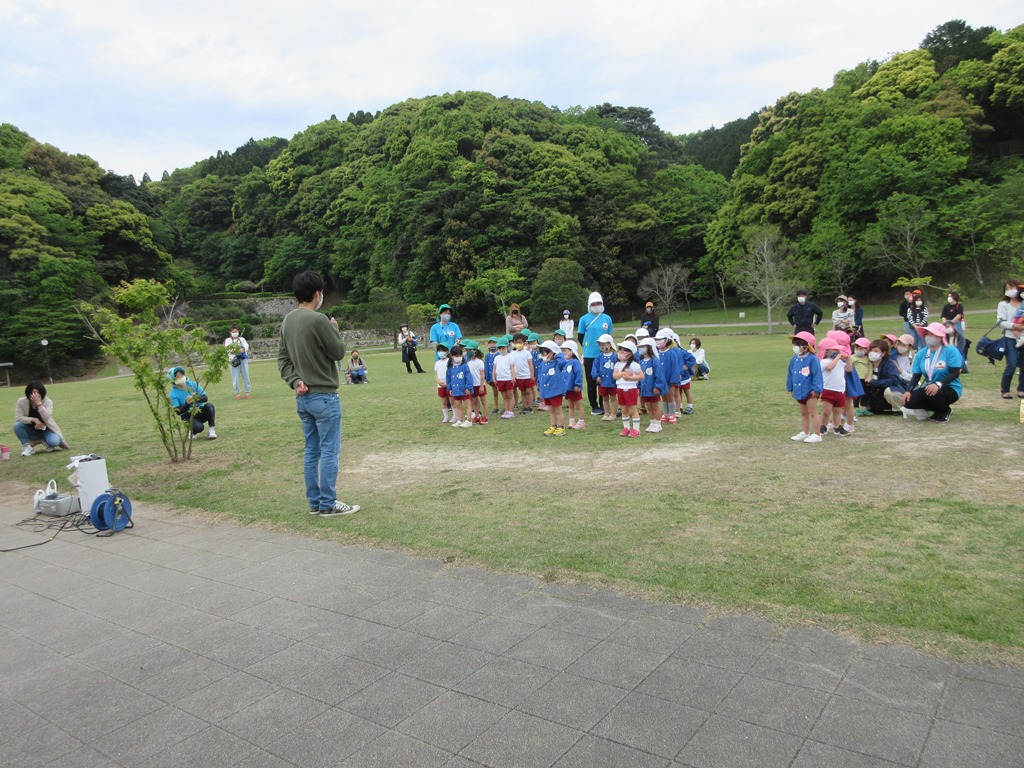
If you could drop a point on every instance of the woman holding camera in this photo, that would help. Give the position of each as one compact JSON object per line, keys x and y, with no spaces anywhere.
{"x":238,"y":356}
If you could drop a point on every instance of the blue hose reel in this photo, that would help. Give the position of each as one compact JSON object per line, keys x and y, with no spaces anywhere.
{"x":110,"y":512}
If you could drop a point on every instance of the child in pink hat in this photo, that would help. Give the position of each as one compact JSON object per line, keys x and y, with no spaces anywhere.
{"x":833,"y":396}
{"x":803,"y":381}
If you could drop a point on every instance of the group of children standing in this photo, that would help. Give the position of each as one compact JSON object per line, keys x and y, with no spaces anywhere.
{"x":640,"y":371}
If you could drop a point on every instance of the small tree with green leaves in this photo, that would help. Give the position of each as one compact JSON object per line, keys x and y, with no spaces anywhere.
{"x":148,"y":344}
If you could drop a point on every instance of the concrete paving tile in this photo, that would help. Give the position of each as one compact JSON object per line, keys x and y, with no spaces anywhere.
{"x":288,"y":618}
{"x":396,"y":610}
{"x":77,"y":630}
{"x":212,"y":746}
{"x":813,"y":754}
{"x":167,"y":582}
{"x":779,"y":706}
{"x":223,"y":600}
{"x":954,"y":745}
{"x":348,"y":601}
{"x":533,"y":608}
{"x":589,"y":622}
{"x":821,"y":641}
{"x":149,"y":735}
{"x":16,"y":719}
{"x":726,"y":650}
{"x":684,"y":614}
{"x":184,"y":679}
{"x":447,"y":664}
{"x":985,"y":705}
{"x":452,"y":721}
{"x":50,"y":581}
{"x":37,"y":747}
{"x":326,"y":740}
{"x":395,"y":749}
{"x":132,"y":665}
{"x":883,"y":732}
{"x":741,"y":624}
{"x":21,"y":656}
{"x":338,"y":679}
{"x":38,"y":679}
{"x":249,"y":648}
{"x":650,"y":633}
{"x":551,"y":648}
{"x":169,"y":621}
{"x":393,"y":649}
{"x":808,"y":667}
{"x":519,"y":740}
{"x":900,"y":656}
{"x":1008,"y":676}
{"x":617,"y":665}
{"x":213,"y":636}
{"x":93,"y":705}
{"x":345,"y":634}
{"x":391,"y":699}
{"x":592,"y":752}
{"x":573,"y":701}
{"x":494,"y":634}
{"x":302,"y":560}
{"x":442,"y":588}
{"x":651,"y":725}
{"x":295,"y":661}
{"x":84,"y":757}
{"x":908,"y":688}
{"x":694,"y":685}
{"x":484,"y":598}
{"x":725,"y":741}
{"x":272,"y":717}
{"x":505,"y":681}
{"x":442,"y":622}
{"x":225,"y":697}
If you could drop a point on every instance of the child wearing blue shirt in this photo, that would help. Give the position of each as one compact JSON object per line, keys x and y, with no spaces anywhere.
{"x":653,"y":385}
{"x":573,"y":375}
{"x":459,"y":383}
{"x":672,"y":361}
{"x":601,"y":372}
{"x":804,"y":381}
{"x":551,"y":385}
{"x":492,"y":352}
{"x":686,"y":374}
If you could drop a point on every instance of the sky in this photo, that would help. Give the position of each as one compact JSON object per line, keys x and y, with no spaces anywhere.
{"x":152,"y":86}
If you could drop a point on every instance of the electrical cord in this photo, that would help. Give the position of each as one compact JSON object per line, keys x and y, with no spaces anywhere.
{"x":80,"y":522}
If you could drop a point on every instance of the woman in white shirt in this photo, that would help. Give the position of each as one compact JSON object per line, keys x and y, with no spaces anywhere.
{"x":238,"y":356}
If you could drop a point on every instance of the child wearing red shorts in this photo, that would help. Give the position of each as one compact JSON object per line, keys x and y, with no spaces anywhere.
{"x":628,"y":375}
{"x":573,"y":375}
{"x":551,"y":385}
{"x":440,"y":378}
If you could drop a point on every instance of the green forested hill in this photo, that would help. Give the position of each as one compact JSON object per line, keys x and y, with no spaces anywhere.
{"x":905,"y":168}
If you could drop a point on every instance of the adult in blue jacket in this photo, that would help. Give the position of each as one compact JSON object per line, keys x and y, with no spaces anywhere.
{"x":591,"y":326}
{"x":935,"y":381}
{"x":885,"y":387}
{"x":189,"y":400}
{"x":444,"y":331}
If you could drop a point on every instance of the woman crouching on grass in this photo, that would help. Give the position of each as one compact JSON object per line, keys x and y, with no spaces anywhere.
{"x":935,"y":382}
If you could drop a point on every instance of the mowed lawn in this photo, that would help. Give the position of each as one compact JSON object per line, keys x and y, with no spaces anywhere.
{"x":904,"y":531}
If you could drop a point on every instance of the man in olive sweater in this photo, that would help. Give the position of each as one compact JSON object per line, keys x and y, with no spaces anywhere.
{"x":310,"y":345}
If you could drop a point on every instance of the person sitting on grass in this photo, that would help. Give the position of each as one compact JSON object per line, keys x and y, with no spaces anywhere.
{"x":189,"y":399}
{"x":33,"y":421}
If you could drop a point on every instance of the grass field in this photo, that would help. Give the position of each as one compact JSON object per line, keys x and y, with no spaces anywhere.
{"x":906,"y":532}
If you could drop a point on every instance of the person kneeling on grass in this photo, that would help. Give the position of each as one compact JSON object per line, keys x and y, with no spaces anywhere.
{"x":189,"y":399}
{"x":935,"y":382}
{"x":33,"y":421}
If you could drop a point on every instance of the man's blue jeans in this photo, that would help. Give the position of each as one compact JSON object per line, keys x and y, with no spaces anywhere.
{"x":320,"y":415}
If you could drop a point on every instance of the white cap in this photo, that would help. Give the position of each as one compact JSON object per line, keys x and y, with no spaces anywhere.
{"x":642,"y":333}
{"x":550,"y":346}
{"x":632,"y":336}
{"x":664,"y":333}
{"x":595,"y":298}
{"x":647,"y":341}
{"x":605,"y":338}
{"x":571,"y":345}
{"x":628,"y":345}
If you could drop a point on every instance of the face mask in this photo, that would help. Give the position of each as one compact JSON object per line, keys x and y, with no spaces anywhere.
{"x":874,"y":357}
{"x":918,"y":303}
{"x":797,"y":350}
{"x":518,"y":345}
{"x":442,"y":355}
{"x":649,"y":310}
{"x":457,"y":360}
{"x":234,"y":334}
{"x":321,"y":302}
{"x":902,"y":350}
{"x":693,"y":347}
{"x":1011,"y":294}
{"x":623,"y":355}
{"x":660,"y":343}
{"x":492,"y":349}
{"x":860,"y":353}
{"x":840,"y":305}
{"x":179,"y":383}
{"x":596,"y":309}
{"x":503,"y":351}
{"x":445,"y":317}
{"x":832,"y":355}
{"x":801,"y":299}
{"x":852,"y":302}
{"x":950,"y":300}
{"x":932,"y":341}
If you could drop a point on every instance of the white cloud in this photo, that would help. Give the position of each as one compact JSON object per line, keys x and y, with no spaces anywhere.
{"x":156,"y":80}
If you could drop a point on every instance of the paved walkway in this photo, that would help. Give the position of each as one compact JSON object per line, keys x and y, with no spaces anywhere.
{"x":181,"y":643}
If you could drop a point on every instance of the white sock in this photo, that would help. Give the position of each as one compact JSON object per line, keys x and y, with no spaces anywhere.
{"x":625,"y":422}
{"x":636,"y":423}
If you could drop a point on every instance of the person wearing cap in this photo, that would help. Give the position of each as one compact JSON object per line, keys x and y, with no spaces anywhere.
{"x":445,"y":331}
{"x":672,"y":363}
{"x":654,"y":384}
{"x":572,"y":372}
{"x":650,"y":319}
{"x":355,"y":369}
{"x":935,"y":384}
{"x":804,"y":315}
{"x":628,"y":374}
{"x":523,"y":371}
{"x":591,"y":327}
{"x":503,"y":377}
{"x":533,"y":341}
{"x":515,"y":320}
{"x":441,"y":379}
{"x":566,"y":324}
{"x":903,"y":356}
{"x":842,"y":316}
{"x":804,"y":382}
{"x":551,"y":385}
{"x":489,"y":358}
{"x":190,"y":402}
{"x":833,"y":391}
{"x":917,"y":317}
{"x":408,"y":341}
{"x":1007,"y":312}
{"x":601,"y":370}
{"x":459,"y":384}
{"x":862,"y":369}
{"x":854,"y":388}
{"x":478,"y":369}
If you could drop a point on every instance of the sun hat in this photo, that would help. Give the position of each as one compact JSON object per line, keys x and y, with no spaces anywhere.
{"x":842,"y":338}
{"x":805,"y":337}
{"x":533,"y":336}
{"x":647,"y":341}
{"x":605,"y":338}
{"x":173,"y":371}
{"x":892,"y":338}
{"x":664,"y":333}
{"x":907,"y":339}
{"x":571,"y":346}
{"x":558,"y":332}
{"x":495,"y":339}
{"x":642,"y":333}
{"x":935,"y":329}
{"x":632,"y":336}
{"x":628,"y":345}
{"x":827,"y":344}
{"x":503,"y":342}
{"x":550,"y":346}
{"x":862,"y":342}
{"x":840,"y":297}
{"x":470,"y":344}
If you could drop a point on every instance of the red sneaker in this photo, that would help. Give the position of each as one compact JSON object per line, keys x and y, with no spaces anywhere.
{"x":664,"y":418}
{"x":672,"y":419}
{"x":634,"y":433}
{"x":476,"y":419}
{"x":624,"y":432}
{"x":483,"y":420}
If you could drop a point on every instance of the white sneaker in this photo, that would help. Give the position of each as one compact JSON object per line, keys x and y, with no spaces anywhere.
{"x":455,"y":423}
{"x":466,"y":424}
{"x":444,"y":419}
{"x":339,"y":508}
{"x":654,"y":426}
{"x":213,"y":434}
{"x":812,"y":439}
{"x":799,"y":437}
{"x":28,"y":450}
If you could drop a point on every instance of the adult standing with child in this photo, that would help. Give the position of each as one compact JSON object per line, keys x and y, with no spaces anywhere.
{"x":445,"y":332}
{"x":1007,"y":311}
{"x":591,"y":327}
{"x":408,"y":341}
